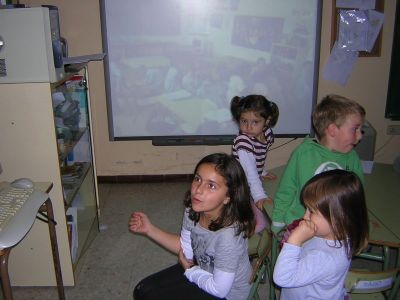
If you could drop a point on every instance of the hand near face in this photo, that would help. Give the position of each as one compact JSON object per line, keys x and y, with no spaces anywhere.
{"x":303,"y":232}
{"x":139,"y":223}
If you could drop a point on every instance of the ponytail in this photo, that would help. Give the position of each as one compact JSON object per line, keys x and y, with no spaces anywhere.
{"x":236,"y":108}
{"x":274,"y":114}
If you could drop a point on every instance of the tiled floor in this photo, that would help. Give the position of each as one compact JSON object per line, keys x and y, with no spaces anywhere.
{"x":118,"y":259}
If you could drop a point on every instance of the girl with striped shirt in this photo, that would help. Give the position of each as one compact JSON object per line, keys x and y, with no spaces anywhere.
{"x":255,"y":116}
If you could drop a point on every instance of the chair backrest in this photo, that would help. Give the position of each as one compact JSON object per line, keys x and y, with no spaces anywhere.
{"x":261,"y":266}
{"x":366,"y":282}
{"x":264,"y":245}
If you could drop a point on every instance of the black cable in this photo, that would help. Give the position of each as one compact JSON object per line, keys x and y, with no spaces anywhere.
{"x":45,"y":218}
{"x":293,"y":139}
{"x":41,"y":219}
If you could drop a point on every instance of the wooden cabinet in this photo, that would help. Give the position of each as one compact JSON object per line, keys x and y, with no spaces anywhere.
{"x":30,"y":127}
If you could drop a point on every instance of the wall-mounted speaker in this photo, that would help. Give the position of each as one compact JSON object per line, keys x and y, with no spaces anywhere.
{"x":366,"y":147}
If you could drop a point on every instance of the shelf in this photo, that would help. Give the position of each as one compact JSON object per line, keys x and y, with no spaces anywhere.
{"x":70,"y":71}
{"x":45,"y":157}
{"x":74,"y":68}
{"x":66,"y":148}
{"x":72,"y":186}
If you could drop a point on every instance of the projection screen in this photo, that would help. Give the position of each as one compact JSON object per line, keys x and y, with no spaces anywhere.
{"x":172,"y":66}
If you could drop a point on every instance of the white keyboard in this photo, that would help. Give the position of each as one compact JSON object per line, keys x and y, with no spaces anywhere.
{"x":11,"y":201}
{"x":18,"y":210}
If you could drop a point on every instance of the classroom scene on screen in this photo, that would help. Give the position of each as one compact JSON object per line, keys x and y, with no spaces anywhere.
{"x":199,"y":149}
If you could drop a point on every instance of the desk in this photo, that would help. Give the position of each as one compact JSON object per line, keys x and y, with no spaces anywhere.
{"x":47,"y":209}
{"x":147,"y":61}
{"x":186,"y":107}
{"x":382,"y":191}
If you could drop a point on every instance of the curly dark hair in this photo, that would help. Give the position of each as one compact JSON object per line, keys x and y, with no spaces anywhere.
{"x":257,"y":104}
{"x":238,"y":210}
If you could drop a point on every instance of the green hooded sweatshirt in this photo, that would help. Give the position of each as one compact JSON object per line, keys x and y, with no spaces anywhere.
{"x":308,"y":159}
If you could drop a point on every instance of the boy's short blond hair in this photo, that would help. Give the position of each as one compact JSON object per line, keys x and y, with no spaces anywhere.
{"x":333,"y":109}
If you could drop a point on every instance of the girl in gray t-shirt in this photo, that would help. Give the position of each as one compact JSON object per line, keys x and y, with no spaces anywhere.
{"x":212,"y":246}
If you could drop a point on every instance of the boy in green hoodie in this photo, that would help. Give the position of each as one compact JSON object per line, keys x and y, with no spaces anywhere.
{"x":337,"y":123}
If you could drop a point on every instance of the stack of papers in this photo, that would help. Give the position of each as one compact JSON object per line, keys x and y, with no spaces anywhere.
{"x":83,"y":58}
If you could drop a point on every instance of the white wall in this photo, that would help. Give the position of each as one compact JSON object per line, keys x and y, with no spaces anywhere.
{"x":367,"y":84}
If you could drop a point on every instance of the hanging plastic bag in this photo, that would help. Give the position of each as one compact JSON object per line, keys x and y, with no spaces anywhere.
{"x":353,"y":30}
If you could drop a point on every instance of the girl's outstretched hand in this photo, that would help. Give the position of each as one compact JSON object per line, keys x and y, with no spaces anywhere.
{"x":268,"y":176}
{"x":139,"y":223}
{"x":185,"y":263}
{"x":260,"y":203}
{"x":303,"y":232}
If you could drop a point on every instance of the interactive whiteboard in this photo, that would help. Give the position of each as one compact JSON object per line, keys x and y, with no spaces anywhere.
{"x":172,"y":66}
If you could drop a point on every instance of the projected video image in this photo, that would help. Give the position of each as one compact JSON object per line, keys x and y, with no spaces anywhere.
{"x":174,"y":65}
{"x":257,"y":32}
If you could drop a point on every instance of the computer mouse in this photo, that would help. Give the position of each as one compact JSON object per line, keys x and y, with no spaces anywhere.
{"x":22,"y":183}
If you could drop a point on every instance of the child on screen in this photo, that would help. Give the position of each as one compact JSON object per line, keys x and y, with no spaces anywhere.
{"x":255,"y":116}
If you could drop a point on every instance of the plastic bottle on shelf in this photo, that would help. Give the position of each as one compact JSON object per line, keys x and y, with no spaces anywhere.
{"x":61,"y":143}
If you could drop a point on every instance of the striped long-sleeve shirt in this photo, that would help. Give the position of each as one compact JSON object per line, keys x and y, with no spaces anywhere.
{"x":254,"y":146}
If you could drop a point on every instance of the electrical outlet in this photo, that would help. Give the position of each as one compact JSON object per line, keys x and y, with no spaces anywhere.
{"x":393,"y":130}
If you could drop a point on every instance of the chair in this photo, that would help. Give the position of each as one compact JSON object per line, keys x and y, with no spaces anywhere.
{"x":270,"y":243}
{"x":257,"y":243}
{"x":381,"y":284}
{"x":276,"y":239}
{"x":385,"y":255}
{"x":361,"y":284}
{"x":259,"y":249}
